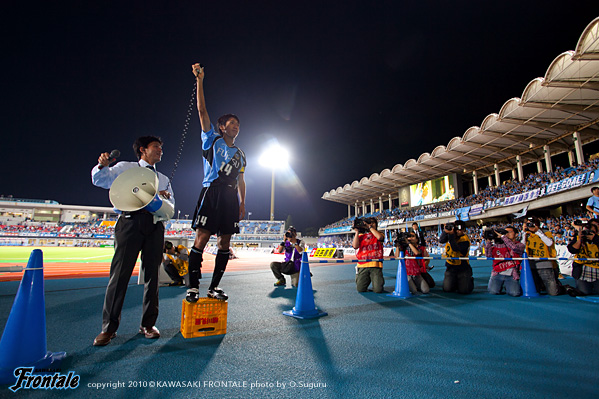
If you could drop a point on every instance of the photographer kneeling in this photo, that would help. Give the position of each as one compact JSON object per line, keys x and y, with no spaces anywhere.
{"x":293,"y":259}
{"x":503,"y":243}
{"x":539,"y":244}
{"x":369,"y":244}
{"x":175,"y":262}
{"x":458,"y":276}
{"x":585,"y":245}
{"x":410,"y":244}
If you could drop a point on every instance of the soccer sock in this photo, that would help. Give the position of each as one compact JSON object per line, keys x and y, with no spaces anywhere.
{"x":195,"y":265}
{"x":220,"y":264}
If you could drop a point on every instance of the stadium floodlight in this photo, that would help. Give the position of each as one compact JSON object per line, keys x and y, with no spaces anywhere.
{"x":274,"y":157}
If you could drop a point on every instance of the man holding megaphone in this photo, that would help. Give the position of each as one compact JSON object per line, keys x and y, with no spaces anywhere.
{"x":136,"y":231}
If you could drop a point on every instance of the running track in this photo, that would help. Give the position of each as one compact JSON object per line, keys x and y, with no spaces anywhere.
{"x":62,"y":270}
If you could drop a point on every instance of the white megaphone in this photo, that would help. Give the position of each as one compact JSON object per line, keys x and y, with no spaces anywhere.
{"x":137,"y":188}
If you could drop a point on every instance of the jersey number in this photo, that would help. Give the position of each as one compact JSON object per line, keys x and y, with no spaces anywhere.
{"x":227,"y":168}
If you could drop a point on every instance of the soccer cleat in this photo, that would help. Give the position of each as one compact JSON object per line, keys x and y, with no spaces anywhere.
{"x":193,"y":294}
{"x":217,"y":293}
{"x":280,"y":283}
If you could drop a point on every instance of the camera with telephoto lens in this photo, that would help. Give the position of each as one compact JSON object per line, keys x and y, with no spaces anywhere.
{"x":491,"y":234}
{"x":362,"y":224}
{"x":400,"y":239}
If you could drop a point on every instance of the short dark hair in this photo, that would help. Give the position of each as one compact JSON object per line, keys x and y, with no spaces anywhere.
{"x":144,"y":141}
{"x":594,"y":188}
{"x":222,"y":121}
{"x":513,"y":228}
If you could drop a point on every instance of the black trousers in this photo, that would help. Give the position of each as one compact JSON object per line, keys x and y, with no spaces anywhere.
{"x":133,"y":233}
{"x":458,"y":279}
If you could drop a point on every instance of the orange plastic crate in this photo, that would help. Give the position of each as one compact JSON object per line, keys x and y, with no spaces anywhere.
{"x":206,"y":317}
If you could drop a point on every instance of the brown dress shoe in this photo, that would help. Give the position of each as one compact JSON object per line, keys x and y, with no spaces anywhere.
{"x":150,"y":332}
{"x":104,"y":338}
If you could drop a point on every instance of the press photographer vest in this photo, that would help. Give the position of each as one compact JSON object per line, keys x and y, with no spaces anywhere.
{"x":450,"y":253}
{"x":180,"y":265}
{"x":370,"y":248}
{"x":502,"y":265}
{"x":588,"y":250}
{"x":536,"y":248}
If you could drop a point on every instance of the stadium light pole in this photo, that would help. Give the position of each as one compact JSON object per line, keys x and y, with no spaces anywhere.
{"x":274,"y":157}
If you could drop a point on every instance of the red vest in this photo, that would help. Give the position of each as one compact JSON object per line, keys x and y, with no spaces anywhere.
{"x":415,"y":267}
{"x":370,"y":248}
{"x":502,"y":265}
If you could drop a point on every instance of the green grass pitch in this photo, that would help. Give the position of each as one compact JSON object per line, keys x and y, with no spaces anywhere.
{"x":58,"y":254}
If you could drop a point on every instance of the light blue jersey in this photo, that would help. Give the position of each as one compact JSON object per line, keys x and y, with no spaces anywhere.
{"x":593,"y":202}
{"x":222,"y":164}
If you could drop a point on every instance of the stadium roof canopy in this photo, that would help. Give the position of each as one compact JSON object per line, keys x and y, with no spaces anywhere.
{"x":550,"y":110}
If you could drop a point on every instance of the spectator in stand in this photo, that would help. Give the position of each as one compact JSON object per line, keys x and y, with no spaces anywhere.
{"x":506,"y":273}
{"x":419,"y":234}
{"x":593,"y":203}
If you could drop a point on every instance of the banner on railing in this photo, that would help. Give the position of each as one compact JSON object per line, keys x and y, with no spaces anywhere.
{"x":476,"y":209}
{"x":567,"y":184}
{"x":524,"y":197}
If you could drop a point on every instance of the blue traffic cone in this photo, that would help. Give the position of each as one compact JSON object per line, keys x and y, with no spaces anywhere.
{"x":23,"y":342}
{"x":529,"y":290}
{"x":402,"y":288}
{"x":304,"y":301}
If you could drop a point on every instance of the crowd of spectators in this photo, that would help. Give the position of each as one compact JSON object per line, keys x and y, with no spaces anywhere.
{"x":506,"y":189}
{"x":559,"y":226}
{"x":249,"y":230}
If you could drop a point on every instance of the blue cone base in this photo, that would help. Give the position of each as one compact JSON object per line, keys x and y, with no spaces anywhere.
{"x":400,"y":295}
{"x":312,"y":314}
{"x":50,"y":361}
{"x":531,"y":296}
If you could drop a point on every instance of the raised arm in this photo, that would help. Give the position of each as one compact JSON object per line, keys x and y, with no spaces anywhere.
{"x":198,"y":71}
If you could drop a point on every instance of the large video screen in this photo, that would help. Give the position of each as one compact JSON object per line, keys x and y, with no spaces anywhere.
{"x":432,"y":191}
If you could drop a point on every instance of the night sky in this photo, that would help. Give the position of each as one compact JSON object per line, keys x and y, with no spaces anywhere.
{"x":350,"y":88}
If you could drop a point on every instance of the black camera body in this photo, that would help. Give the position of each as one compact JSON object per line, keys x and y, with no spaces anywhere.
{"x":449,"y":226}
{"x":362,"y":224}
{"x":491,"y":234}
{"x":400,"y":239}
{"x":288,"y":234}
{"x":587,"y":232}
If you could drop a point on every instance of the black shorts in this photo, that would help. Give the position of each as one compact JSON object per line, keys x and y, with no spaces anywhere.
{"x":217,"y":210}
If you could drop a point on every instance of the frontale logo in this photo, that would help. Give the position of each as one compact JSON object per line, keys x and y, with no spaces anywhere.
{"x":27,"y":380}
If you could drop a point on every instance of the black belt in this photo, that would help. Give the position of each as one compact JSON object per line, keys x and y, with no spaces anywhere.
{"x":138,"y":212}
